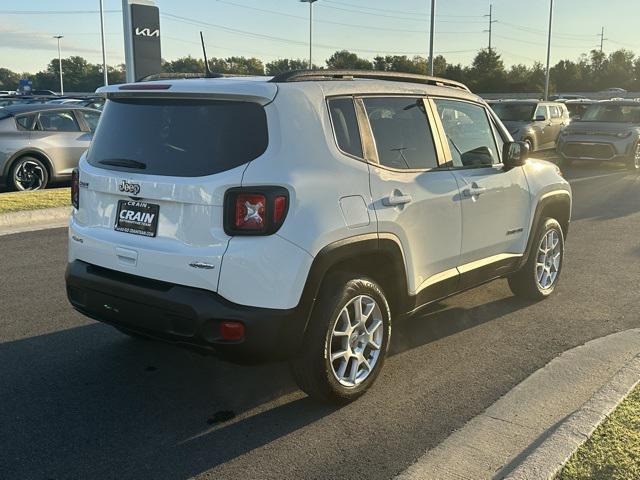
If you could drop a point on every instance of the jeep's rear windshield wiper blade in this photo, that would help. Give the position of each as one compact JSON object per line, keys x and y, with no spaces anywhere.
{"x":124,"y":162}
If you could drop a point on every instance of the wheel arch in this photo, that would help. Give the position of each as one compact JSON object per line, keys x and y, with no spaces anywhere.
{"x":29,"y":152}
{"x":557,"y":205}
{"x":379,"y":257}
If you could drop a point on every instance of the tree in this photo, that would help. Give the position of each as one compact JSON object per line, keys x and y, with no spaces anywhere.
{"x":350,"y":61}
{"x":8,"y":79}
{"x":184,"y":65}
{"x":286,"y":65}
{"x":237,"y":65}
{"x":487,"y":73}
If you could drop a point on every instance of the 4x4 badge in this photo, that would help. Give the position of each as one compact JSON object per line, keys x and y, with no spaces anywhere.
{"x":127,"y":187}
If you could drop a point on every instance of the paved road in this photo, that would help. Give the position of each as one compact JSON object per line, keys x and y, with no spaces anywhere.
{"x":80,"y":400}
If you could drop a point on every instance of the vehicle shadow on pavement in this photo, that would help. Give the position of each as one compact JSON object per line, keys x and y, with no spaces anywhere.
{"x":89,"y":402}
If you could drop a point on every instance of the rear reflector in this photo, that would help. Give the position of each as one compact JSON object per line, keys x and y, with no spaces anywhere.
{"x":75,"y":188}
{"x":232,"y":331}
{"x":279,"y":209}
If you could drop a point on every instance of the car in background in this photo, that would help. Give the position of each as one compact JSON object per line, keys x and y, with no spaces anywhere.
{"x":7,"y":92}
{"x":577,"y":107}
{"x":42,"y":143}
{"x":536,"y":123}
{"x":65,"y":101}
{"x":614,"y":90}
{"x":564,"y":97}
{"x":44,"y":92}
{"x":608,"y":131}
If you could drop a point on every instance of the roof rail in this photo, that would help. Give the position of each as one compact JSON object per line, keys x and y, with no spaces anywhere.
{"x":310,"y":75}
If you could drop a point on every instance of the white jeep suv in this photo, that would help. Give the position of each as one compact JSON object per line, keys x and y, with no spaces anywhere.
{"x":299,"y":217}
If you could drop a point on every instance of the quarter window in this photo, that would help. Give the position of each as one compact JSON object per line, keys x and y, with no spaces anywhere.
{"x":469,"y":133}
{"x":25,"y":122}
{"x":58,"y":122}
{"x":401,"y":130}
{"x":91,"y":118}
{"x":345,"y":125}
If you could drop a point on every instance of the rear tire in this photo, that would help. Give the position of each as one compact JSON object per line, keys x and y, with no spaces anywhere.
{"x":539,"y":276}
{"x":28,"y":173}
{"x":361,"y":338}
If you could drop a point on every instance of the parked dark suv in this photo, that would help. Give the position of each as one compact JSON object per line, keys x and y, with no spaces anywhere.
{"x":538,"y":124}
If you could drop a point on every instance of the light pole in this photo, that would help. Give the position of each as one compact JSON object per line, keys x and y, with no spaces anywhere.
{"x":546,"y":81}
{"x":58,"y":37}
{"x":310,"y":2}
{"x":433,"y":27}
{"x":104,"y":53}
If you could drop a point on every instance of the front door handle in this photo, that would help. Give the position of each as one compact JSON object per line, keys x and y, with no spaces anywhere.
{"x":474,"y":190}
{"x":395,"y":200}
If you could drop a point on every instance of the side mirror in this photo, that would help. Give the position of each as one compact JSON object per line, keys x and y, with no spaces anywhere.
{"x":540,"y":118}
{"x":514,"y":154}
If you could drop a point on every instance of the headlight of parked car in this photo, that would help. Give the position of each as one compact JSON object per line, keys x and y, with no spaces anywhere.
{"x":623,"y":134}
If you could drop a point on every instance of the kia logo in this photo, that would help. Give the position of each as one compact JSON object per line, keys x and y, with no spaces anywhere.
{"x":147,"y":32}
{"x":127,"y":187}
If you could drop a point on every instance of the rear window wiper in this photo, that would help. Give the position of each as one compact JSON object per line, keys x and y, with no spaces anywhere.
{"x":124,"y":162}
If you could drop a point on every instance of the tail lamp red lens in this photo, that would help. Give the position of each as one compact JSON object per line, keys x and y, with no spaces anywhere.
{"x":255,"y":210}
{"x":75,"y":188}
{"x":250,"y":212}
{"x":232,"y":331}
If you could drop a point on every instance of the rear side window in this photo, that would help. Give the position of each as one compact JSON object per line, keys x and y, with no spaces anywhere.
{"x":401,"y":131}
{"x":58,"y":122}
{"x":178,"y":137}
{"x":555,"y":111}
{"x":345,"y":125}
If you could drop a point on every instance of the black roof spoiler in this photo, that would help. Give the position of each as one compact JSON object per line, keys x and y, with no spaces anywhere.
{"x":311,"y":75}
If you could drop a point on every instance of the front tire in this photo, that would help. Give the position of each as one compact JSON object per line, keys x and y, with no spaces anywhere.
{"x":347,"y":341}
{"x":28,"y":173}
{"x":539,"y":276}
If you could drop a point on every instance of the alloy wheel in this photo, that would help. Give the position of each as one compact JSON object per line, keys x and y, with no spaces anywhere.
{"x":549,"y":259}
{"x":29,"y":175}
{"x":356,"y":340}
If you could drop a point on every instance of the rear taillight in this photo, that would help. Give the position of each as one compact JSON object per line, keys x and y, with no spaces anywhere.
{"x":75,"y":188}
{"x":255,"y":210}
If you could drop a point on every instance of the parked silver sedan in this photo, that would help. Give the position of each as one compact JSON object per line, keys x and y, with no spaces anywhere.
{"x":607,"y":131}
{"x":40,"y":144}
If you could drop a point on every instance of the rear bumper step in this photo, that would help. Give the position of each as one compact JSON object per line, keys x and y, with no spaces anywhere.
{"x":184,"y":315}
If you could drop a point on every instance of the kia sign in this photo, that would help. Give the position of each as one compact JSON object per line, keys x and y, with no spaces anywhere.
{"x":142,"y":38}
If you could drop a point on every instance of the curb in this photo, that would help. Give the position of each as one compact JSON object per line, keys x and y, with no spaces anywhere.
{"x":548,"y":459}
{"x":29,"y":220}
{"x":531,"y":431}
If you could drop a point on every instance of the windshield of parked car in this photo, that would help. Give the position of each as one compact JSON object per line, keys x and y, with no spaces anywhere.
{"x":612,"y":113}
{"x":514,"y":112}
{"x":178,"y":137}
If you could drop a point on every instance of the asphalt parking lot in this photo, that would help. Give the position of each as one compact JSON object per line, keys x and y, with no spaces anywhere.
{"x":81,"y":400}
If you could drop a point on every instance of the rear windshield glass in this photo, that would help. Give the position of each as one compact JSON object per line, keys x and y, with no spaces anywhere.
{"x":514,"y":112}
{"x":178,"y":137}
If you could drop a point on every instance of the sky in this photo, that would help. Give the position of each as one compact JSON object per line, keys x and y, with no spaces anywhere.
{"x":271,"y":29}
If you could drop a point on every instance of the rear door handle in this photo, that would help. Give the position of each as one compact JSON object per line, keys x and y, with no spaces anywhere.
{"x":395,"y":200}
{"x":474,"y":190}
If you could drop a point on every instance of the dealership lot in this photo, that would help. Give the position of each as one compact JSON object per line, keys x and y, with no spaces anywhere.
{"x":81,"y":400}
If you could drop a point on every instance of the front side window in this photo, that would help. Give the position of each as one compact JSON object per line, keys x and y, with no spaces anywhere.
{"x":469,"y":133}
{"x":58,"y":122}
{"x":345,"y":125}
{"x":401,"y":131}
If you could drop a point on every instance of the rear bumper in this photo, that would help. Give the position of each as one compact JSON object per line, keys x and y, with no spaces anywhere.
{"x":184,"y":315}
